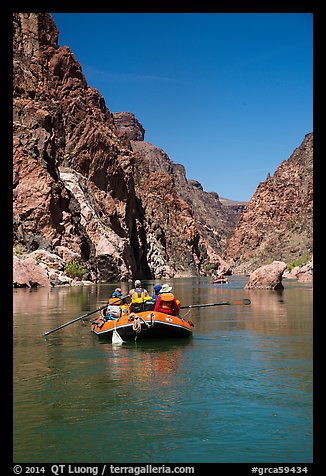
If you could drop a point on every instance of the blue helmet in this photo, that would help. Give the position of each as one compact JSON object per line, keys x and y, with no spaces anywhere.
{"x":157,"y":288}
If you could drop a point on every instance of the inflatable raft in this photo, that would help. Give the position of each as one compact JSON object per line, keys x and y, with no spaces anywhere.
{"x":129,"y":326}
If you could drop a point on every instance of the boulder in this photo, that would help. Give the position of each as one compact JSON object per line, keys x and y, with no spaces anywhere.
{"x":28,"y":273}
{"x":267,"y":277}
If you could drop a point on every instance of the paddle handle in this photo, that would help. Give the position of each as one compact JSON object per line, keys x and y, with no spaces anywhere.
{"x":74,"y":320}
{"x":82,"y":317}
{"x":225,"y":303}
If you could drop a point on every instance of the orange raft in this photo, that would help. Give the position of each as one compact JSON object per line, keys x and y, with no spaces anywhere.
{"x":219,"y":281}
{"x":141,"y":325}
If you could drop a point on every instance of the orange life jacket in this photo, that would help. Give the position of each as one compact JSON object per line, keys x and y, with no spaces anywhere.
{"x":167,"y":303}
{"x":115,"y":301}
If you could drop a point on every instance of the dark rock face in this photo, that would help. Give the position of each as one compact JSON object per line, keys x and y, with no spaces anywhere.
{"x":64,"y":132}
{"x":277,"y":223}
{"x":84,"y":179}
{"x":128,"y":127}
{"x":209,"y":217}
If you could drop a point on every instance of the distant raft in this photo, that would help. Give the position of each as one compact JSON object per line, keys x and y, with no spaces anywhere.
{"x":219,"y":281}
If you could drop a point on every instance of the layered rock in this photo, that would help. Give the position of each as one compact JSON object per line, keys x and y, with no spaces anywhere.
{"x":277,"y":223}
{"x":60,"y":121}
{"x":81,"y":184}
{"x":214,"y":220}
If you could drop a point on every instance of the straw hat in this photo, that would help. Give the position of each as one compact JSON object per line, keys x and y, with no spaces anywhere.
{"x":166,"y":288}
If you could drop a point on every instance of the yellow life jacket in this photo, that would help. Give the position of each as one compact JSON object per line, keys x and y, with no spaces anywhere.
{"x":124,"y":309}
{"x":139,"y":297}
{"x":115,"y":301}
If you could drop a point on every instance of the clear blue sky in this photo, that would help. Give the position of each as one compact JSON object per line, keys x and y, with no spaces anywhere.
{"x":228,"y":95}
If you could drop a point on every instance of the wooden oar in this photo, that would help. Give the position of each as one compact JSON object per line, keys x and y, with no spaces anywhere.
{"x":223,"y":303}
{"x":83,"y":316}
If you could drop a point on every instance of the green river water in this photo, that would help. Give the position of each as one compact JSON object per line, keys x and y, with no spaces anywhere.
{"x":238,"y":390}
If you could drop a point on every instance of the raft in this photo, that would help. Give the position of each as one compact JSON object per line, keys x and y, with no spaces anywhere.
{"x":219,"y":281}
{"x":132,"y":326}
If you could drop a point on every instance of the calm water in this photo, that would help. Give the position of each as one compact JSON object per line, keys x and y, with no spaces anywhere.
{"x":239,"y":390}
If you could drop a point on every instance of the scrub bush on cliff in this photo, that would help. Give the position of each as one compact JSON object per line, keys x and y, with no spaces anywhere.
{"x":73,"y":269}
{"x":300,"y":261}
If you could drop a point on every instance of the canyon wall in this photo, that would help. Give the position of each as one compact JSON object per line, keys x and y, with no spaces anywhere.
{"x":277,"y":223}
{"x":86,"y":183}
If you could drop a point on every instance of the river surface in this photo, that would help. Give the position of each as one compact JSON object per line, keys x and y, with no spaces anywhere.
{"x":239,"y":390}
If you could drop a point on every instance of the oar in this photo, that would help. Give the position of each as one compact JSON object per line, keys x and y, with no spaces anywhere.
{"x":82,"y":317}
{"x":224,"y":303}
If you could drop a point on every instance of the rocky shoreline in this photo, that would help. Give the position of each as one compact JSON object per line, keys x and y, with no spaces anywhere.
{"x":270,"y":276}
{"x":43,"y":268}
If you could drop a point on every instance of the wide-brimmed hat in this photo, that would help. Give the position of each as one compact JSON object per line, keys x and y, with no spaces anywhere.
{"x":165,"y":288}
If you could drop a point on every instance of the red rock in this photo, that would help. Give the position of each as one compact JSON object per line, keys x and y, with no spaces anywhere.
{"x":277,"y":223}
{"x":28,"y":273}
{"x":84,"y":179}
{"x":305,"y":273}
{"x":267,"y":277}
{"x":80,"y":184}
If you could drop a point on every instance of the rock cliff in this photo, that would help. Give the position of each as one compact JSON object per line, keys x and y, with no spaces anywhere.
{"x":65,"y":148}
{"x":277,"y":223}
{"x":214,"y":220}
{"x":88,"y":187}
{"x":86,"y":182}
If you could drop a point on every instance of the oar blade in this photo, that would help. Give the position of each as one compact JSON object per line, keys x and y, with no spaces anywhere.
{"x":242,"y":301}
{"x":116,"y":338}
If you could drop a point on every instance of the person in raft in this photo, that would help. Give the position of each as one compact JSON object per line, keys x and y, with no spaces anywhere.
{"x":166,"y":301}
{"x":157,"y":289}
{"x":138,"y":293}
{"x":116,"y":297}
{"x":113,"y":305}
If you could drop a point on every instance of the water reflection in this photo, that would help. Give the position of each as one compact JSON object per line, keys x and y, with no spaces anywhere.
{"x":239,"y":390}
{"x":281,"y":311}
{"x":147,"y":362}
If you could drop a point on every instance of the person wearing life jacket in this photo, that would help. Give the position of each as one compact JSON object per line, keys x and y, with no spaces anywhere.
{"x":114,"y":300}
{"x":138,"y":294}
{"x":167,"y":302}
{"x":157,"y":289}
{"x":116,"y":297}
